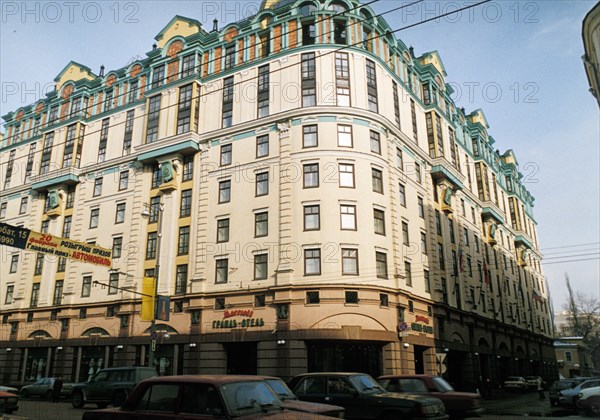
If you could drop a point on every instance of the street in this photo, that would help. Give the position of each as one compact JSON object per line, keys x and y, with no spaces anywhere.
{"x":503,"y":406}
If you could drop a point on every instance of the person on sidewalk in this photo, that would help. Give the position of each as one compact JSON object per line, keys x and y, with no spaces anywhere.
{"x":56,"y":389}
{"x":540,"y":389}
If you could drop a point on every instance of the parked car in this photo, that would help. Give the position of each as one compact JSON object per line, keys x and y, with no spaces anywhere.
{"x":589,"y":400}
{"x":43,"y":388}
{"x":202,"y":396}
{"x":9,"y":389}
{"x":515,"y":383}
{"x":8,"y":403}
{"x":558,"y":386}
{"x":364,"y":398}
{"x":291,"y":402}
{"x":532,"y":382}
{"x":458,"y":404}
{"x":568,"y":397}
{"x":109,"y":386}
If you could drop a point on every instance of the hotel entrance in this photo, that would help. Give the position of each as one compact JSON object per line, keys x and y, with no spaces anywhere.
{"x":241,"y":358}
{"x":345,"y":357}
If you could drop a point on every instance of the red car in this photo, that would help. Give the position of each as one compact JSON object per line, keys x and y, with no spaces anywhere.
{"x":458,"y":404}
{"x":8,"y":403}
{"x":201,"y":397}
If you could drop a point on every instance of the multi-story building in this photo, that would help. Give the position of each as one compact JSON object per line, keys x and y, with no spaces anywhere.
{"x":573,"y":357}
{"x":590,"y":32}
{"x":303,"y":188}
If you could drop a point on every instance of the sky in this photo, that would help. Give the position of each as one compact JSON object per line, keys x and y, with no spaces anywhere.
{"x":519,"y":61}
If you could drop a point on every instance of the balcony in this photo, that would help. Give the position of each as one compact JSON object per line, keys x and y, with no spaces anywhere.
{"x":441,"y":169}
{"x":490,"y":210}
{"x":523,"y":239}
{"x":55,"y":177}
{"x":182,"y":143}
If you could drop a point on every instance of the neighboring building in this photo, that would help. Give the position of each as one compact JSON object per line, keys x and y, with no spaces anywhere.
{"x":591,"y":44}
{"x":318,"y":210}
{"x":573,"y":357}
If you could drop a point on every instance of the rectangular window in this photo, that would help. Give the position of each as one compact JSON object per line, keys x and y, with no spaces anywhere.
{"x":342,"y":76}
{"x":264,"y":46}
{"x":466,"y":236}
{"x":375,"y":142}
{"x":384,"y":300}
{"x":346,"y":175}
{"x":348,"y":217}
{"x":339,"y":31}
{"x":312,"y":298}
{"x":377,"y":180}
{"x":9,"y":294}
{"x":418,"y":177}
{"x":402,"y":190}
{"x":133,"y":91}
{"x":229,"y":56}
{"x":260,"y":266}
{"x":411,"y":306}
{"x":66,"y":231}
{"x":181,"y":276}
{"x":156,"y":176}
{"x":30,"y":158}
{"x":310,"y":136}
{"x":3,"y":207}
{"x":188,"y":65}
{"x":35,"y":295}
{"x":108,"y":100}
{"x":186,"y":203}
{"x":158,"y":76}
{"x":261,"y":224}
{"x":152,"y":119}
{"x":424,"y":243}
{"x":413,"y":113}
{"x":120,"y":214}
{"x":69,"y":145}
{"x":349,"y":261}
{"x":94,"y":216}
{"x":311,"y":217}
{"x":103,"y":140}
{"x":399,"y":159}
{"x":427,"y":281}
{"x":184,"y":109}
{"x":262,"y":184}
{"x":405,"y":239}
{"x":396,"y":105}
{"x":113,"y":284}
{"x":381,"y":265}
{"x":442,"y":263}
{"x":408,"y":273}
{"x":311,"y":175}
{"x":451,"y":230}
{"x":223,"y":230}
{"x":97,"y":187}
{"x":344,"y":134}
{"x":351,"y":296}
{"x":263,"y":91}
{"x":259,"y":301}
{"x":188,"y":168}
{"x":117,"y":247}
{"x":312,"y":262}
{"x":226,"y":154}
{"x":46,"y":153}
{"x":228,"y":92}
{"x":14,"y":263}
{"x":421,"y":207}
{"x":151,"y":246}
{"x":183,"y":245}
{"x":309,"y":91}
{"x":372,"y":86}
{"x":222,"y":270}
{"x":379,"y":221}
{"x":123,"y":180}
{"x":224,"y":191}
{"x":154,"y":210}
{"x":262,"y":146}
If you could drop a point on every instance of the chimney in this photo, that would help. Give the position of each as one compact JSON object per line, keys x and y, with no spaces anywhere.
{"x":412,"y":51}
{"x":154,"y":46}
{"x":101,"y":71}
{"x":215,"y":25}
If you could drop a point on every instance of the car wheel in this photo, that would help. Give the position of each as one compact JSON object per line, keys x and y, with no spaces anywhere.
{"x":101,"y":405}
{"x":77,"y":400}
{"x":119,"y":398}
{"x":593,"y":408}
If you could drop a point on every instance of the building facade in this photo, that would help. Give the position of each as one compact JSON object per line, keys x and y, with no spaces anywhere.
{"x":573,"y":357}
{"x":302,"y":187}
{"x":590,"y":33}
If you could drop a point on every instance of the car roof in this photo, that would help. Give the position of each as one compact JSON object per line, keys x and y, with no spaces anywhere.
{"x":331,"y":374}
{"x":212,"y":379}
{"x":130,"y":367}
{"x":413,"y":376}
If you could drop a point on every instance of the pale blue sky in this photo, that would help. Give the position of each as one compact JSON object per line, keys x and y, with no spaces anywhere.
{"x":520,"y":61}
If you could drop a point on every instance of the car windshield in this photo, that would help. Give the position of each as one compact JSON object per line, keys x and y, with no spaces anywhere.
{"x":281,"y":389}
{"x":249,"y":397}
{"x":563,"y":384}
{"x":366,"y":384}
{"x":515,"y":378}
{"x":442,"y":385}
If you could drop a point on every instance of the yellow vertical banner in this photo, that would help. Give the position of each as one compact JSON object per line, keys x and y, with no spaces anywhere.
{"x":148,"y":287}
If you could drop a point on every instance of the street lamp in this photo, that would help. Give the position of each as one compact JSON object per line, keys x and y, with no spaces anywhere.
{"x":148,"y":213}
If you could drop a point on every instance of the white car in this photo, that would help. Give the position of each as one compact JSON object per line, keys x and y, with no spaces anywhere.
{"x":589,"y":400}
{"x":515,"y":383}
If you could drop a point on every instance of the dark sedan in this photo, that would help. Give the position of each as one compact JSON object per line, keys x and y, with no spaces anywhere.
{"x":458,"y":404}
{"x":201,"y":397}
{"x":363,"y":398}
